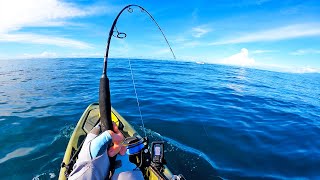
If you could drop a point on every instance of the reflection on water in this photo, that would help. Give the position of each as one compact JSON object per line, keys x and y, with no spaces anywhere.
{"x":17,"y":153}
{"x":238,"y":83}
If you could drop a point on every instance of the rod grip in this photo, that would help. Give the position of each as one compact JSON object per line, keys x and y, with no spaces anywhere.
{"x":105,"y":104}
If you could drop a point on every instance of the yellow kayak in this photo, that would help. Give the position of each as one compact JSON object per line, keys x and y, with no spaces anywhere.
{"x":88,"y":120}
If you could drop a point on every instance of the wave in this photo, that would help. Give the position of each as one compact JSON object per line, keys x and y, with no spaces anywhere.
{"x":184,"y":147}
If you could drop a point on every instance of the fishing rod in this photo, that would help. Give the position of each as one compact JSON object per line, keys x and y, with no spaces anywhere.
{"x":104,"y":89}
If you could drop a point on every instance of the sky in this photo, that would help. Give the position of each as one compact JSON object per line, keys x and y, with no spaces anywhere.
{"x":276,"y":35}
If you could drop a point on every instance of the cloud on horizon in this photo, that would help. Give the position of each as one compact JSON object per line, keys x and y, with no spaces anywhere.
{"x":306,"y":70}
{"x":44,"y":54}
{"x":240,"y":59}
{"x":288,"y":69}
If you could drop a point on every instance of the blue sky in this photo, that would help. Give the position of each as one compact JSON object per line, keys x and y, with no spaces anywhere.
{"x":280,"y":35}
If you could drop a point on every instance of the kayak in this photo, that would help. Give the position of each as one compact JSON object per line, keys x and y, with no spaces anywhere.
{"x":89,"y":119}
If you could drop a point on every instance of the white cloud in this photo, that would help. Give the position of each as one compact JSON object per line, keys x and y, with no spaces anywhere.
{"x":306,"y":70}
{"x":42,"y":39}
{"x":44,"y":54}
{"x":289,"y":69}
{"x":85,"y":55}
{"x":305,"y":51}
{"x":262,"y":51}
{"x":275,"y":34}
{"x":200,"y":31}
{"x":182,"y":42}
{"x":190,"y":44}
{"x":162,"y":51}
{"x":178,"y":39}
{"x":49,"y":54}
{"x":240,"y":59}
{"x":15,"y":14}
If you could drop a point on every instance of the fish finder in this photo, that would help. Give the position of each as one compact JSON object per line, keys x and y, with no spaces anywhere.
{"x":157,"y":152}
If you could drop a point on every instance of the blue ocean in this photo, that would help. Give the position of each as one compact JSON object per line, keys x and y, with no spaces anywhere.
{"x":217,"y":121}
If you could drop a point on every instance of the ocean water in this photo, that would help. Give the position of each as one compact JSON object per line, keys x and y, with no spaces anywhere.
{"x":217,"y":121}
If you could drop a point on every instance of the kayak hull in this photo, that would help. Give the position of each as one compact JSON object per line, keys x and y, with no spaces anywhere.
{"x":88,"y":120}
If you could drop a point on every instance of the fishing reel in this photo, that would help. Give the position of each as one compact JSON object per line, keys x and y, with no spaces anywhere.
{"x":140,"y":154}
{"x":144,"y":157}
{"x":137,"y":149}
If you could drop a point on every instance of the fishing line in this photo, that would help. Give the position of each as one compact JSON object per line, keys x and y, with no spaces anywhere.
{"x":135,"y":91}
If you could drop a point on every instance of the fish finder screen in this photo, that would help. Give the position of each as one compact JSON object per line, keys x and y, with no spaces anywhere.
{"x":157,"y":150}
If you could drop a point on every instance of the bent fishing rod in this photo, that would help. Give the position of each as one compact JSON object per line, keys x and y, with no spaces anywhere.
{"x":104,"y":89}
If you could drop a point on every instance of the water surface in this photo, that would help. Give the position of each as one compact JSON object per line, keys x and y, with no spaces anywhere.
{"x":218,"y":121}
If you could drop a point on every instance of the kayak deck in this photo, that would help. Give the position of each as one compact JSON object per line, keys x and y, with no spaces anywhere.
{"x":89,"y":119}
